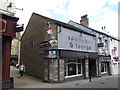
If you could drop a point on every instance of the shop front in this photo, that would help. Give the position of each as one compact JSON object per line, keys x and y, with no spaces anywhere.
{"x":77,"y":65}
{"x":66,"y":65}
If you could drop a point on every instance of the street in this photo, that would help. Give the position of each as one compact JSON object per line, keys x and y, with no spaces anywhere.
{"x":32,"y":82}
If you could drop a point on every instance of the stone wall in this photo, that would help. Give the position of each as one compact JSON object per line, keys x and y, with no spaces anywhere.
{"x":31,"y":54}
{"x":87,"y":68}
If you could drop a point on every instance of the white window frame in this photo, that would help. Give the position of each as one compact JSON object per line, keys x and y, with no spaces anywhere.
{"x":104,"y":68}
{"x":76,"y":70}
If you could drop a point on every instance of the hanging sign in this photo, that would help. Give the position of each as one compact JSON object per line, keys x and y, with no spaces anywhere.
{"x":115,"y":48}
{"x":100,"y":45}
{"x":49,"y":31}
{"x":53,"y":42}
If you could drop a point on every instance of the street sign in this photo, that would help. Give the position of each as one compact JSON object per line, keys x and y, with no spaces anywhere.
{"x":52,"y":52}
{"x":52,"y":56}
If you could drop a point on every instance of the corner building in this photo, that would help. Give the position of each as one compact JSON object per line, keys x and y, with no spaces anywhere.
{"x":67,"y":54}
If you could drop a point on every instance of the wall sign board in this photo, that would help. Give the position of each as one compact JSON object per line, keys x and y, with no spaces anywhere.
{"x":44,"y":44}
{"x":73,"y":40}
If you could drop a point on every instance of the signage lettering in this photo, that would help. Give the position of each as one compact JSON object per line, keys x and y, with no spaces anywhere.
{"x":78,"y":39}
{"x":73,"y":40}
{"x":100,"y":45}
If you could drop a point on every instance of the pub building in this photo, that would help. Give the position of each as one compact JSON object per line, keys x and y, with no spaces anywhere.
{"x":103,"y":45}
{"x":57,"y":52}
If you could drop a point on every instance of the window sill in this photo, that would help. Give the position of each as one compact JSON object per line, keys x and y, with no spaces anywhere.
{"x":103,"y":72}
{"x":73,"y":76}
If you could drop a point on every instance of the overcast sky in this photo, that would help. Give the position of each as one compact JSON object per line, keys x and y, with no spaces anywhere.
{"x":100,"y":12}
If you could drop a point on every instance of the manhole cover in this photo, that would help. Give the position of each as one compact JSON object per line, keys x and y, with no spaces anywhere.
{"x":102,"y":83}
{"x":76,"y":84}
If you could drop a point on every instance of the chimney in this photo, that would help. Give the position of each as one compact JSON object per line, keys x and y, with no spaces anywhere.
{"x":84,"y":20}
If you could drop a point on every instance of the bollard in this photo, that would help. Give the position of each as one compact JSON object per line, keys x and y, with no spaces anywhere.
{"x":90,"y":76}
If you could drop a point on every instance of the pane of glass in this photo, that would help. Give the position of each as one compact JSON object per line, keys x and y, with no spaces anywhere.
{"x":65,"y":70}
{"x":102,"y":67}
{"x":79,"y":60}
{"x":79,"y":69}
{"x":71,"y":69}
{"x":105,"y":68}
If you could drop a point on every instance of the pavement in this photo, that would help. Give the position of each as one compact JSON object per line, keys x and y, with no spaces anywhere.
{"x":32,"y":82}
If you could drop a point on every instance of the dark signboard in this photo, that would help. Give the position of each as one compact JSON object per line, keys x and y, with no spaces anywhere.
{"x":45,"y":44}
{"x":19,"y":28}
{"x":100,"y":45}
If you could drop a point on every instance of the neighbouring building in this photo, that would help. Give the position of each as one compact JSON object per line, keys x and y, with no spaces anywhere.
{"x":57,"y":52}
{"x":15,"y":48}
{"x":114,"y":55}
{"x":104,"y":45}
{"x":8,"y":29}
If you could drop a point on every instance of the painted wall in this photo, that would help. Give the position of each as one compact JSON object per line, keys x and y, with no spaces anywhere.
{"x":98,"y":35}
{"x":113,"y":43}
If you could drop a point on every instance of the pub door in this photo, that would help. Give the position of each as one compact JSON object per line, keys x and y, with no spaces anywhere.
{"x":92,"y":67}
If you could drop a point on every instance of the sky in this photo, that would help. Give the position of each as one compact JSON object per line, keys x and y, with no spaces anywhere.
{"x":100,"y":12}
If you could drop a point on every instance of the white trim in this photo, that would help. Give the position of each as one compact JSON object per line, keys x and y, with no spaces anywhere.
{"x":104,"y":68}
{"x":73,"y":76}
{"x":103,"y":72}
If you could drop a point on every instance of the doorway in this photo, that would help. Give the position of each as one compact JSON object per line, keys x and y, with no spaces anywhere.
{"x":92,"y":67}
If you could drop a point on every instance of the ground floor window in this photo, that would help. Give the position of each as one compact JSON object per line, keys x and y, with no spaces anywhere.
{"x":73,"y":68}
{"x":103,"y":68}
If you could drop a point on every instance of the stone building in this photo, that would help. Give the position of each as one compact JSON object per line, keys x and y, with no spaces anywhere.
{"x":15,"y":47}
{"x":64,"y":53}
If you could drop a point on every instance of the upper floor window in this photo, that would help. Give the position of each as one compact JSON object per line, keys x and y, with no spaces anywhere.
{"x":100,"y":40}
{"x":106,"y":43}
{"x":11,"y":51}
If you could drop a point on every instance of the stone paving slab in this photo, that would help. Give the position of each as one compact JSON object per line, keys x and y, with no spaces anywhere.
{"x":32,"y":82}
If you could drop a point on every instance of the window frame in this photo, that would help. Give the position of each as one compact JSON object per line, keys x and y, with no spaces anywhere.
{"x":67,"y":76}
{"x":105,"y":65}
